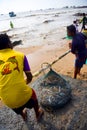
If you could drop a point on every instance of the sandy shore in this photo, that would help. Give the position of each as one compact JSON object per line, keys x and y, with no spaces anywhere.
{"x":37,"y":55}
{"x":48,"y":46}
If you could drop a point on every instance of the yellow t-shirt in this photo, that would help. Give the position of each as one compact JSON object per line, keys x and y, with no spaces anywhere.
{"x":13,"y":90}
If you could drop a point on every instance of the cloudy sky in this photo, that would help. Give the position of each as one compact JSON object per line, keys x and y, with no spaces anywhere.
{"x":26,"y":5}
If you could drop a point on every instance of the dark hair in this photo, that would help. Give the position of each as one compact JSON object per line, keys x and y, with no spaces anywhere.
{"x":84,"y":14}
{"x":71,"y":28}
{"x":74,"y":21}
{"x":5,"y":42}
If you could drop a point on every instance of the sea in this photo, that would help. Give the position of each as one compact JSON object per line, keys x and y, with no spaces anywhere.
{"x":39,"y":26}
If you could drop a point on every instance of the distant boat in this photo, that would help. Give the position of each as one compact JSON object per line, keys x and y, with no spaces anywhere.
{"x":12,"y":14}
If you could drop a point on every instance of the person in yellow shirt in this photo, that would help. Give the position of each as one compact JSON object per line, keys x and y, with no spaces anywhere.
{"x":14,"y":91}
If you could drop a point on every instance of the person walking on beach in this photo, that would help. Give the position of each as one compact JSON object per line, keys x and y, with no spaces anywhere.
{"x":78,"y":47}
{"x":76,"y":25}
{"x":14,"y":91}
{"x":11,"y":24}
{"x":84,"y":22}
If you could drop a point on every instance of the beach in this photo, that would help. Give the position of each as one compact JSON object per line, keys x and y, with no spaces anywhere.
{"x":43,"y":41}
{"x":42,"y":33}
{"x":38,"y":56}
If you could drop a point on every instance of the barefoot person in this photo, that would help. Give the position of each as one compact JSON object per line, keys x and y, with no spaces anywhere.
{"x":78,"y":47}
{"x":14,"y":91}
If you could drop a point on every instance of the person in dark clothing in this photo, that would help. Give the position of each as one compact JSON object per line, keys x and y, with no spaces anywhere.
{"x":84,"y":22}
{"x":78,"y":47}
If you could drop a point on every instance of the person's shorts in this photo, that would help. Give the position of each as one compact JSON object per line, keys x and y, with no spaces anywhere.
{"x":80,"y":62}
{"x":30,"y":104}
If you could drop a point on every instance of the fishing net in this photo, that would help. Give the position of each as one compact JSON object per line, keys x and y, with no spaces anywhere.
{"x":54,"y":91}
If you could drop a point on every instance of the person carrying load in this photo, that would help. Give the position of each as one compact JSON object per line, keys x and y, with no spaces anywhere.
{"x":14,"y":89}
{"x":78,"y":48}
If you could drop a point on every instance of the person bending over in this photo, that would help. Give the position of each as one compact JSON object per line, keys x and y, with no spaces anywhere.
{"x":14,"y":91}
{"x":78,"y":47}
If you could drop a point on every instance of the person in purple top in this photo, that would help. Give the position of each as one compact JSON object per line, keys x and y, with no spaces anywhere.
{"x":78,"y":47}
{"x":15,"y":74}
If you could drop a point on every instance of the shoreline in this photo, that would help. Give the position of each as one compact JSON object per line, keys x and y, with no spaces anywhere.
{"x":65,"y":66}
{"x":47,"y":53}
{"x":43,"y":41}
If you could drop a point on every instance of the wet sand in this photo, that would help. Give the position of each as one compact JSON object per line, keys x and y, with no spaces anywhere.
{"x":37,"y":55}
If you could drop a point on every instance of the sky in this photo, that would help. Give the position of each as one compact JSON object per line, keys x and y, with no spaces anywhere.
{"x":27,"y":5}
